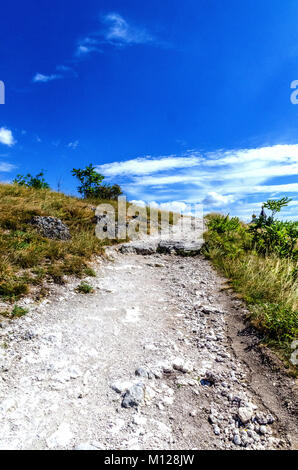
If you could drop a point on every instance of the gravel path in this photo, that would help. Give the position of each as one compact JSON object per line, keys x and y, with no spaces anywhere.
{"x":158,"y":357}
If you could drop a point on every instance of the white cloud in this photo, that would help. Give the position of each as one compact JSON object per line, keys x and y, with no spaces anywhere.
{"x":6,"y":137}
{"x":275,"y":153}
{"x":226,"y":179}
{"x":217,"y":200}
{"x":143,"y":166}
{"x":40,"y":78}
{"x":83,"y":48}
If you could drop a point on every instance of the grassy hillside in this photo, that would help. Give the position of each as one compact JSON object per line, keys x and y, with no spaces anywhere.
{"x":27,"y":258}
{"x":267,"y":279}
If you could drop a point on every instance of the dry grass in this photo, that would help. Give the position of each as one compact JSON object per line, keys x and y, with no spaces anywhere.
{"x":27,"y":258}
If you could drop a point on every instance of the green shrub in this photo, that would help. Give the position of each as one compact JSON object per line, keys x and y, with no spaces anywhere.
{"x":84,"y":288}
{"x":36,"y":182}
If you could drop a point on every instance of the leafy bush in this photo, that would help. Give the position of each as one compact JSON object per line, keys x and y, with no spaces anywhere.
{"x":36,"y":182}
{"x":274,"y":236}
{"x":228,"y":235}
{"x":91,"y":184}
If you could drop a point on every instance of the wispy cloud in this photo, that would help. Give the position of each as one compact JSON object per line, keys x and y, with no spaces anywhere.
{"x":41,"y":78}
{"x":6,"y":167}
{"x":115,"y":31}
{"x":64,"y":71}
{"x":147,"y":165}
{"x":6,"y":137}
{"x":120,"y":32}
{"x":73,"y":145}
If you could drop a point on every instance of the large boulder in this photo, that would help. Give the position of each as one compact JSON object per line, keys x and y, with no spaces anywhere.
{"x":51,"y":227}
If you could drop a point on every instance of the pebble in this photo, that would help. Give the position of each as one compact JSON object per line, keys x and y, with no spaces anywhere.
{"x":237,"y":440}
{"x":245,"y":414}
{"x":263,"y":429}
{"x":216,"y":430}
{"x":134,"y":396}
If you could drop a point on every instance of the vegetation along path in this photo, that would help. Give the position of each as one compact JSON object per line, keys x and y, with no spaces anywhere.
{"x":158,"y":357}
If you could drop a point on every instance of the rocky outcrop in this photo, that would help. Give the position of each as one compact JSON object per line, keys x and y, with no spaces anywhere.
{"x":183,"y":248}
{"x":51,"y":227}
{"x":187,"y":248}
{"x":140,"y":248}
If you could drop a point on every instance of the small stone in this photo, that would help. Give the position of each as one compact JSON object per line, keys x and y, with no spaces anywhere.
{"x":245,"y":414}
{"x":263,"y":429}
{"x":142,"y":372}
{"x":213,"y":419}
{"x":134,"y":396}
{"x":216,"y":430}
{"x":237,"y":440}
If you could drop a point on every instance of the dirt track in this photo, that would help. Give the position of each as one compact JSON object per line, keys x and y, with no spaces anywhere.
{"x":203,"y":383}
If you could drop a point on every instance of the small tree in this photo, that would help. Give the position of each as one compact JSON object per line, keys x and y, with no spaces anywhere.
{"x":90,"y":180}
{"x":36,"y":182}
{"x":275,"y":205}
{"x":91,"y":186}
{"x":271,"y":235}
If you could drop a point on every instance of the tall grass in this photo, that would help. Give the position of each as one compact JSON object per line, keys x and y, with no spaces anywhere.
{"x":269,"y":284}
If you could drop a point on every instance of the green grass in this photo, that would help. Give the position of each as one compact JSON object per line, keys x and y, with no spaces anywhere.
{"x":19,"y":311}
{"x":16,"y":312}
{"x":268,"y":284}
{"x":84,"y":288}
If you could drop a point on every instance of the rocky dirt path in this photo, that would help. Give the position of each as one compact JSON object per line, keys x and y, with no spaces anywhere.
{"x":158,"y":357}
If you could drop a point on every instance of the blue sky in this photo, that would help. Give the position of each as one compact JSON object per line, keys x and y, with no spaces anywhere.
{"x":176,"y":101}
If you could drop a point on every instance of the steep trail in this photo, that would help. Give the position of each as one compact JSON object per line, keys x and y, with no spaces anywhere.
{"x":66,"y":366}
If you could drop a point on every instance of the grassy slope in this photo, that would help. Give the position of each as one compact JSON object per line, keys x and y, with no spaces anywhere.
{"x":27,"y":258}
{"x":269,"y":285}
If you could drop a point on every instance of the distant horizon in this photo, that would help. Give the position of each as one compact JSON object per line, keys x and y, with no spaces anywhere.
{"x":191,"y":102}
